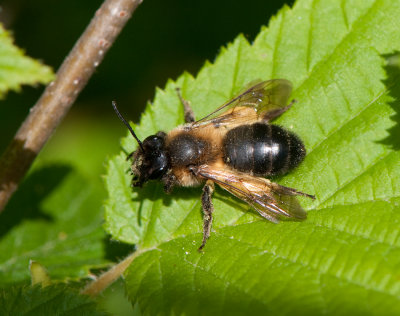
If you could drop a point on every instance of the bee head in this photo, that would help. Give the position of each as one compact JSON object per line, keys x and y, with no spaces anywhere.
{"x":150,"y":161}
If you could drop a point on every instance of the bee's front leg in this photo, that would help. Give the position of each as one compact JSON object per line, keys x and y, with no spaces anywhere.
{"x":189,"y":114}
{"x":169,"y":181}
{"x":208,"y":208}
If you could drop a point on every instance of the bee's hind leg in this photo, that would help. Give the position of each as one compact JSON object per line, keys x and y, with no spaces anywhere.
{"x":189,"y":114}
{"x":208,"y":208}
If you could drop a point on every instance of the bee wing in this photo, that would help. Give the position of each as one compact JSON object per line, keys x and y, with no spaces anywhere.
{"x":271,"y":200}
{"x":265,"y":99}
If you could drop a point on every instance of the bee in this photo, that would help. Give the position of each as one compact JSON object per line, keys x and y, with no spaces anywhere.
{"x":235,"y":146}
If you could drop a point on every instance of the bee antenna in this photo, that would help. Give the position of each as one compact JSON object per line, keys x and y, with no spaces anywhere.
{"x":114,"y":105}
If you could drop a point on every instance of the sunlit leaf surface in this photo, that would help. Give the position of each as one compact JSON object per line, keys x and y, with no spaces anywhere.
{"x":17,"y":69}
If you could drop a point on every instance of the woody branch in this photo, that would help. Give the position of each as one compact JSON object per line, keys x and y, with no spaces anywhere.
{"x":60,"y":94}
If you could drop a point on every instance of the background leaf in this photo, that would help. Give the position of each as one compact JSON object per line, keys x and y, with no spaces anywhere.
{"x":55,"y":219}
{"x":17,"y":69}
{"x":50,"y":300}
{"x":345,"y":257}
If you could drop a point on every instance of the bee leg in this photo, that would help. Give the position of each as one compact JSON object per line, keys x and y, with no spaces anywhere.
{"x":189,"y":114}
{"x":129,"y":157}
{"x":169,"y":181}
{"x":269,"y":116}
{"x":208,"y":209}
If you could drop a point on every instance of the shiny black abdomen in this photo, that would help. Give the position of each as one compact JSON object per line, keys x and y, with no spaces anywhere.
{"x":262,"y":149}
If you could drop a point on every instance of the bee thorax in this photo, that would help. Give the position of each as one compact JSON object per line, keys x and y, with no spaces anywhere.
{"x":184,"y":149}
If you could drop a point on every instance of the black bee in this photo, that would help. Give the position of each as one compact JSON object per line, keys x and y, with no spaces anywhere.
{"x":235,"y":147}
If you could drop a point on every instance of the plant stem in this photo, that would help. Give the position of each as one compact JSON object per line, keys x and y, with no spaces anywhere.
{"x":60,"y":94}
{"x":110,"y":276}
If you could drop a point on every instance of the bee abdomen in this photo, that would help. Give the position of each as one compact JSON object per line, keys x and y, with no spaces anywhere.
{"x":262,"y":149}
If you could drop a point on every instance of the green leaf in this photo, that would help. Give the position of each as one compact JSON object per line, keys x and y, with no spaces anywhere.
{"x":17,"y":69}
{"x":39,"y":274}
{"x":50,"y":300}
{"x":345,"y":258}
{"x":55,"y":219}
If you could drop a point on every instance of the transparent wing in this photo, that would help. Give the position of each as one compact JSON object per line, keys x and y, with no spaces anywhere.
{"x":271,"y":200}
{"x":265,"y":99}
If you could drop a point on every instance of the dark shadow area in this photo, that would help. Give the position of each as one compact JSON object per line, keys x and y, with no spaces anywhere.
{"x":231,"y":200}
{"x":154,"y":190}
{"x":392,"y":83}
{"x":116,"y":250}
{"x":25,"y":203}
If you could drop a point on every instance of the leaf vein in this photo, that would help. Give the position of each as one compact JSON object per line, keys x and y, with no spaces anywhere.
{"x":234,"y":285}
{"x":309,"y":267}
{"x":345,"y":123}
{"x":363,"y":171}
{"x":310,"y":36}
{"x":345,"y":19}
{"x":276,"y":46}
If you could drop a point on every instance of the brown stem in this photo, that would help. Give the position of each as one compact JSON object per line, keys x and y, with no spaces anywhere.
{"x":60,"y":94}
{"x":107,"y":278}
